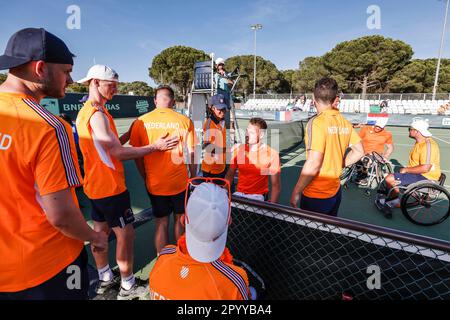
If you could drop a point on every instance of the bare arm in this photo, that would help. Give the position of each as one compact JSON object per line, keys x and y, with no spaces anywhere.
{"x":275,"y":181}
{"x":100,"y":127}
{"x":126,"y":136}
{"x":63,"y":214}
{"x":355,"y":154}
{"x":230,"y":175}
{"x":311,"y":168}
{"x":389,"y":150}
{"x":424,"y":168}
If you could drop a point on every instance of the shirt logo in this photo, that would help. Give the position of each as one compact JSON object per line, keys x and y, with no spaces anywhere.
{"x":162,"y":125}
{"x":338,"y":130}
{"x":184,"y":272}
{"x":5,"y":141}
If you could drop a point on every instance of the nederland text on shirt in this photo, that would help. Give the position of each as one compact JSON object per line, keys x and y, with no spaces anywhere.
{"x":162,"y":125}
{"x":338,"y":130}
{"x":5,"y":141}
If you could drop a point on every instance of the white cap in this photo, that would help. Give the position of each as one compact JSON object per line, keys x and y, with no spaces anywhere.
{"x":100,"y":72}
{"x":220,"y":61}
{"x":207,"y":222}
{"x":381,"y":122}
{"x":421,"y":126}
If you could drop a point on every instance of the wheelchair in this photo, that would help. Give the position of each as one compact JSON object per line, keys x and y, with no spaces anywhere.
{"x":425,"y":203}
{"x":373,"y":166}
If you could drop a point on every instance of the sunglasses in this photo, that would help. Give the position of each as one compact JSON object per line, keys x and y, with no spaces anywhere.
{"x":195,"y":182}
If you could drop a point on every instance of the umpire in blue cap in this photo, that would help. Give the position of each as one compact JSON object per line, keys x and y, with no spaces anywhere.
{"x":214,"y":138}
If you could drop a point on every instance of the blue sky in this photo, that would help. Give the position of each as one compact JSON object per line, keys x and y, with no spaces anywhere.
{"x":127,"y":35}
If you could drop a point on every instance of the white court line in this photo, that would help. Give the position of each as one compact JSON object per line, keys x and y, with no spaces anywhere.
{"x":441,"y":140}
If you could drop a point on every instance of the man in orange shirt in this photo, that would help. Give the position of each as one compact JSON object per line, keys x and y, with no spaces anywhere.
{"x":104,"y":181}
{"x":215,"y":139}
{"x":328,"y":136}
{"x":256,"y":161}
{"x":165,"y":173}
{"x":424,"y":164}
{"x":42,"y":231}
{"x":375,"y":139}
{"x":200,"y":267}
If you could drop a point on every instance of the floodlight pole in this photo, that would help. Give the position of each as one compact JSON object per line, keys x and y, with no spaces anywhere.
{"x":255,"y":28}
{"x":440,"y":52}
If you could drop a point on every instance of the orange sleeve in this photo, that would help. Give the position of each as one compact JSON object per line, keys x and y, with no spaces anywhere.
{"x":191,"y":140}
{"x":317,"y":138}
{"x":362,"y":132}
{"x":389,"y":138}
{"x":243,"y":274}
{"x":426,"y":152}
{"x":136,"y":133}
{"x":56,"y":164}
{"x":354,"y":137}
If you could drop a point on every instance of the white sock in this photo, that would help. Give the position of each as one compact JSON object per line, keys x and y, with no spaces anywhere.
{"x":105,"y":273}
{"x":128,"y":282}
{"x":393,"y":203}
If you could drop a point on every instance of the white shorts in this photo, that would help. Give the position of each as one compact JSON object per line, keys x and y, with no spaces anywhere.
{"x":258,"y":197}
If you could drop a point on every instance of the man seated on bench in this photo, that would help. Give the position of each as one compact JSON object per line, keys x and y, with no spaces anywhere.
{"x":424,"y":164}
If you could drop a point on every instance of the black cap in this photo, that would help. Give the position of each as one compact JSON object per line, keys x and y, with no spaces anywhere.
{"x":219,"y":101}
{"x":33,"y":44}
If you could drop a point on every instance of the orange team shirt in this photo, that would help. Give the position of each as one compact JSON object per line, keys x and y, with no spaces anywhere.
{"x":373,"y":141}
{"x":426,"y":152}
{"x":330,"y":134}
{"x":166,"y":171}
{"x":217,"y":135}
{"x":37,"y":157}
{"x":255,"y":167}
{"x":104,"y":175}
{"x":176,"y":276}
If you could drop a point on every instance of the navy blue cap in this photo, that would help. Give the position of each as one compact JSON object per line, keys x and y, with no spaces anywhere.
{"x":219,"y":101}
{"x":33,"y":44}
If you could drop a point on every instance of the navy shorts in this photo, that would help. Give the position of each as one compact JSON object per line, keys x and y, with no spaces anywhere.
{"x":214,"y":175}
{"x":329,"y":206}
{"x":57,"y":288}
{"x":163,"y":206}
{"x":115,"y":210}
{"x":406,"y":179}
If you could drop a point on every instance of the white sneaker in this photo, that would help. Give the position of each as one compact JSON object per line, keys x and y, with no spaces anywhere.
{"x":139,"y":291}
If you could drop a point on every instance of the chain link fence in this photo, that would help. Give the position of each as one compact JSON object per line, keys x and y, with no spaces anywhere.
{"x":301,"y":255}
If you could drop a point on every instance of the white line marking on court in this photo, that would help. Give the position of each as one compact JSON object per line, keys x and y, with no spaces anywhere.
{"x":441,"y":140}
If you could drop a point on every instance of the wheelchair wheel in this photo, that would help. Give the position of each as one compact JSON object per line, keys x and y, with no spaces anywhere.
{"x":426,"y":204}
{"x":383,"y":169}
